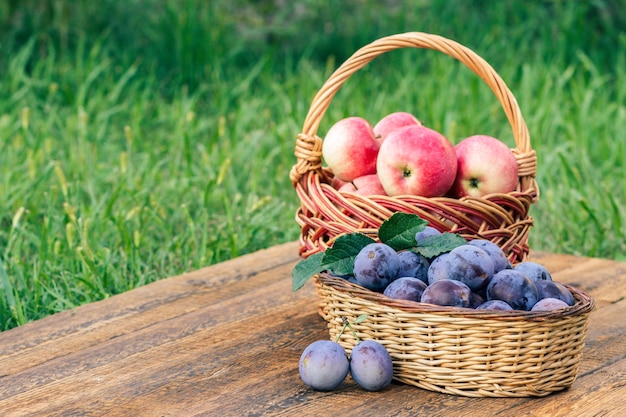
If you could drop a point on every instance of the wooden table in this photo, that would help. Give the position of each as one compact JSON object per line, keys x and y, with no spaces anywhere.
{"x":225,"y":341}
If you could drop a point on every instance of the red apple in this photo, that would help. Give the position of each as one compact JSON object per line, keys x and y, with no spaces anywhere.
{"x":350,"y":148}
{"x":485,"y":165}
{"x":416,"y":160}
{"x":392,"y":122}
{"x":336,"y":183}
{"x":365,"y":185}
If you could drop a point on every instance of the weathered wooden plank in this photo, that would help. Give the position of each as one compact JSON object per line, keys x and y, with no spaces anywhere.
{"x":606,"y":338}
{"x":86,"y":326}
{"x":225,"y":340}
{"x":218,"y":319}
{"x":205,"y":363}
{"x":600,"y":393}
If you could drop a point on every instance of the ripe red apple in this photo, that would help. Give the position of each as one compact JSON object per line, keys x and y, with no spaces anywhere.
{"x":416,"y":160}
{"x":336,"y":183}
{"x":485,"y":165}
{"x":365,"y":185}
{"x":393,"y":121}
{"x":350,"y":148}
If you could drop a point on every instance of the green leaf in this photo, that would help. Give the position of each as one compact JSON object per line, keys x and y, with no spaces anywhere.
{"x":339,"y":258}
{"x":438,"y":244}
{"x":399,"y":230}
{"x":305,"y":269}
{"x":360,"y":319}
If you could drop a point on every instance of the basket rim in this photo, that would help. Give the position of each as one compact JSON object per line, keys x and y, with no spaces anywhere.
{"x":584,"y":304}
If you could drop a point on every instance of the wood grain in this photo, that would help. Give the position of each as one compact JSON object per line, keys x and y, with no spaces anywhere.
{"x":225,"y":340}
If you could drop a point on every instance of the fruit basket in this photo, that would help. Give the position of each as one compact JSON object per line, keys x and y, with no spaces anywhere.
{"x":472,"y":353}
{"x":452,"y":350}
{"x":325,"y":213}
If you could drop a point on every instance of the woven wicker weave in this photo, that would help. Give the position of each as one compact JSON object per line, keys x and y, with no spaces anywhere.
{"x":474,"y":353}
{"x":325,"y":213}
{"x":457,"y":351}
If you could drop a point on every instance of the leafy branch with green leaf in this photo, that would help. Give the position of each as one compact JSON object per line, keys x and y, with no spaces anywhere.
{"x":398,"y":232}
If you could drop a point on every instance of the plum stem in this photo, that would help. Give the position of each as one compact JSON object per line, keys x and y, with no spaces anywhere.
{"x":346,"y":323}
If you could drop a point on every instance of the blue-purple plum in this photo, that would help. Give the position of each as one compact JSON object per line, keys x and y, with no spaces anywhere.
{"x":554,"y":289}
{"x":476,"y":299}
{"x":371,"y":366}
{"x":376,"y":265}
{"x":534,"y":271}
{"x":324,"y":365}
{"x":413,"y":265}
{"x":471,"y":265}
{"x":466,"y":263}
{"x":495,"y":252}
{"x":494,"y":305}
{"x":406,"y":288}
{"x":447,"y":292}
{"x":438,"y":268}
{"x":513,"y":287}
{"x":549,"y":304}
{"x":427,"y":232}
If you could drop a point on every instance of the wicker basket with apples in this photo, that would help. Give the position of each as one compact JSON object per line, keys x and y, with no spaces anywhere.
{"x":325,"y":212}
{"x":361,"y":175}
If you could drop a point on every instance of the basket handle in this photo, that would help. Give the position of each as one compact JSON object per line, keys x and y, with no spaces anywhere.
{"x":309,"y":146}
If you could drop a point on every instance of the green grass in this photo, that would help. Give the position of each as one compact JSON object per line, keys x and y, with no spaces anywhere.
{"x":139,"y":140}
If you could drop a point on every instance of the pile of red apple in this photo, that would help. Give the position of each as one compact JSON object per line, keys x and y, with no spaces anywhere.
{"x":400,"y":156}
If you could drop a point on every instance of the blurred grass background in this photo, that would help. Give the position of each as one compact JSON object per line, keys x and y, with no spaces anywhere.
{"x":144,"y":138}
